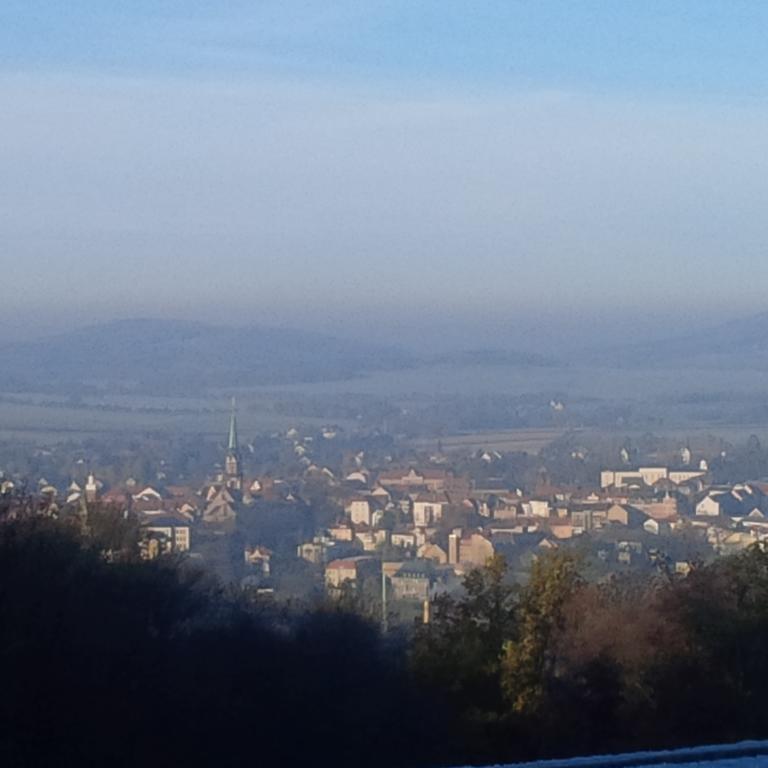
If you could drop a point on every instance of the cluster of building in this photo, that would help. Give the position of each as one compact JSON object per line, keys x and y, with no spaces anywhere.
{"x":416,"y":530}
{"x":423,"y":528}
{"x":169,"y":517}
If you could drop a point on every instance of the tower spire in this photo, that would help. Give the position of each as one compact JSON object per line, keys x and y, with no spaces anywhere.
{"x":232,"y":443}
{"x":232,"y":469}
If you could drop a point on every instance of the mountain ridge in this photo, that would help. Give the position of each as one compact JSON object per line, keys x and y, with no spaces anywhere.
{"x":743,"y":340}
{"x":175,"y":356}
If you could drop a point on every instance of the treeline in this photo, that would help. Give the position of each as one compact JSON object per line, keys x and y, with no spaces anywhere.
{"x":566,"y":667}
{"x":128,"y":663}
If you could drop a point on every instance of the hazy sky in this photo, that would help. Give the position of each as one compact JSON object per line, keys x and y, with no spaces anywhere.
{"x":359,"y":162}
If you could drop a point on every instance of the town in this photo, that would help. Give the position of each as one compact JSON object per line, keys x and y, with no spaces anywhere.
{"x":387,"y":533}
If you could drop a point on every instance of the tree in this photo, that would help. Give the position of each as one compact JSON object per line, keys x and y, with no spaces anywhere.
{"x":530,"y":659}
{"x":94,"y":654}
{"x":724,"y":609}
{"x":112,"y":530}
{"x":460,"y":650}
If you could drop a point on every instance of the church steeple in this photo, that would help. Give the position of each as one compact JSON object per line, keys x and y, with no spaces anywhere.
{"x":232,"y":469}
{"x":232,"y":445}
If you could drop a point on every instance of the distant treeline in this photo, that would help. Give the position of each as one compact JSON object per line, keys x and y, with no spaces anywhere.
{"x":107,"y":660}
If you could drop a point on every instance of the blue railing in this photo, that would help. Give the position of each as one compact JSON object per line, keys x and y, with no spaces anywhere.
{"x":729,"y":755}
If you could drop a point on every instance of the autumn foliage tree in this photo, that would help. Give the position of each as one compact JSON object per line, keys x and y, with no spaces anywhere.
{"x":459,"y":653}
{"x":530,"y":658}
{"x":565,"y":666}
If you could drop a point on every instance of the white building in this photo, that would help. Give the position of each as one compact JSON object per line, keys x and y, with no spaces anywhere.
{"x":427,"y":510}
{"x":648,"y":475}
{"x":359,"y":510}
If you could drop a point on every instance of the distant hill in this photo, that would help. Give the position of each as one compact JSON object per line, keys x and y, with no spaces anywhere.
{"x":742,"y":342}
{"x":166,"y":356}
{"x":492,"y":357}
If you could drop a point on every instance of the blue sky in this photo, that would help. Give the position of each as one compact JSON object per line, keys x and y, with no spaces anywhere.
{"x":692,"y":47}
{"x":352,"y":162}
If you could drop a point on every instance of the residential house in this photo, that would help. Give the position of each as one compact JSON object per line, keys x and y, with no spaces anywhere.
{"x":433,"y":480}
{"x":736,"y":542}
{"x":656,"y":527}
{"x":583,"y":520}
{"x":561,"y":528}
{"x":357,"y":478}
{"x":259,"y":559}
{"x":432,"y":552}
{"x":351,"y":569}
{"x":709,"y":506}
{"x":368,"y":538}
{"x":739,"y":501}
{"x":403,"y":539}
{"x":536,"y":508}
{"x":624,"y":514}
{"x":666,"y":509}
{"x":381,"y":493}
{"x":506,"y":507}
{"x":628,"y":551}
{"x":164,"y":534}
{"x":315,"y":551}
{"x":475,"y":550}
{"x":359,"y":510}
{"x":147,"y":499}
{"x":342,"y":532}
{"x":413,"y":580}
{"x":118,"y":496}
{"x":428,"y":509}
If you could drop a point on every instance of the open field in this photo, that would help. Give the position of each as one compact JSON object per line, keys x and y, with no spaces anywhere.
{"x":533,"y":440}
{"x":507,"y":440}
{"x":727,"y":402}
{"x":567,"y":380}
{"x":46,"y":421}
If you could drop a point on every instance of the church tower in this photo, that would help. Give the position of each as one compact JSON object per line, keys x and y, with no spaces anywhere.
{"x":233,"y":473}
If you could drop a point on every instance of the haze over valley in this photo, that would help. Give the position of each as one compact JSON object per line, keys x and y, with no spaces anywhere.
{"x":121,"y":375}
